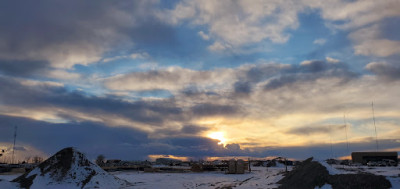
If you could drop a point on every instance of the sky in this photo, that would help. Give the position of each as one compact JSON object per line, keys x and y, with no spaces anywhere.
{"x":199,"y":79}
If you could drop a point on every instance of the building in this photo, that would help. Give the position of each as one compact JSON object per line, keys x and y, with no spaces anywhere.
{"x":365,"y":157}
{"x":168,"y":161}
{"x":236,"y":166}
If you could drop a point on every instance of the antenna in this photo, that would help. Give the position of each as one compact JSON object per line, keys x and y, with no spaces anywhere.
{"x":345,"y":127}
{"x":376,"y":134}
{"x":15,"y":137}
{"x":330,"y":133}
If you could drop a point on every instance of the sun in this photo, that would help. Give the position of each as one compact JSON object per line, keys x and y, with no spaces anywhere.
{"x":218,"y":136}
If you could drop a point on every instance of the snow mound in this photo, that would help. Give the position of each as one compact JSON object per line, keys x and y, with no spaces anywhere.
{"x":68,"y":168}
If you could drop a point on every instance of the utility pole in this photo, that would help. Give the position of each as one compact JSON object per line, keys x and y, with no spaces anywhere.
{"x":285,"y":165}
{"x":15,"y":137}
{"x":376,"y":134}
{"x":330,"y":133}
{"x":345,"y":127}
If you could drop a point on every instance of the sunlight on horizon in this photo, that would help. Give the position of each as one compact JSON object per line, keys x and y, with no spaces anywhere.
{"x":218,"y":136}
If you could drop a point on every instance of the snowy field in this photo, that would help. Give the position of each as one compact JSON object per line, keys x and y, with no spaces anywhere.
{"x":260,"y":177}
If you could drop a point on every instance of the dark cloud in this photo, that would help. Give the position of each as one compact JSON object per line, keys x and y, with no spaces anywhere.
{"x":314,"y":66}
{"x":390,"y":28}
{"x":309,"y":130}
{"x":131,"y":144}
{"x":149,"y":112}
{"x":93,"y":138}
{"x":192,"y":129}
{"x":193,"y":91}
{"x":96,"y":138}
{"x":386,"y":71}
{"x":265,"y":71}
{"x":310,"y":71}
{"x":280,"y":82}
{"x":242,"y":87}
{"x":233,"y":147}
{"x":22,"y":68}
{"x":76,"y":31}
{"x":214,"y":110}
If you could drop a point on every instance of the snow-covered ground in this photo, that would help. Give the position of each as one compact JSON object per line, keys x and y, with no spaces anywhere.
{"x":260,"y":177}
{"x":5,"y":178}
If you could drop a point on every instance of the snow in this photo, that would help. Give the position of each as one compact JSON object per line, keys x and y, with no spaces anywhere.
{"x":9,"y":177}
{"x":331,"y":169}
{"x":260,"y":177}
{"x":5,"y":184}
{"x":326,"y":186}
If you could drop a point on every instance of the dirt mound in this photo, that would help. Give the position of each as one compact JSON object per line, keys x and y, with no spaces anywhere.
{"x":307,"y":175}
{"x":310,"y":174}
{"x":68,"y":168}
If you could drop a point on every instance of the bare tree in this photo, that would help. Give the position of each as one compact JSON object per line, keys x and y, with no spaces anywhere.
{"x":100,"y":160}
{"x":37,"y":159}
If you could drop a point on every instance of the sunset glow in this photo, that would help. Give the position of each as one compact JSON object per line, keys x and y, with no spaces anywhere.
{"x":218,"y":136}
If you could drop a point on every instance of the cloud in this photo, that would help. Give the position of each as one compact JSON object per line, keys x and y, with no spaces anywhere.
{"x":79,"y":106}
{"x":233,"y":24}
{"x":172,"y":78}
{"x":192,"y":129}
{"x":131,"y":56}
{"x":214,"y":110}
{"x":280,"y":98}
{"x":363,"y":19}
{"x":203,"y":35}
{"x":320,"y":41}
{"x":310,"y":71}
{"x":242,"y":87}
{"x":22,"y":68}
{"x":217,"y":46}
{"x":80,"y":33}
{"x":311,"y":130}
{"x":368,"y":41}
{"x":95,"y":138}
{"x":355,"y":14}
{"x":389,"y":72}
{"x":332,"y":60}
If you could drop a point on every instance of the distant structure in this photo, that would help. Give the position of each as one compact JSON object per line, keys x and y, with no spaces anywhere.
{"x":236,"y":166}
{"x":365,"y":157}
{"x":168,"y":161}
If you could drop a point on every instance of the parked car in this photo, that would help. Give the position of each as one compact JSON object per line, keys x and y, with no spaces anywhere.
{"x":390,"y":162}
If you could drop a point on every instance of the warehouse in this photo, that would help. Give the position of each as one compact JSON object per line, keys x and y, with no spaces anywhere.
{"x":365,"y":157}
